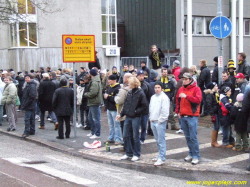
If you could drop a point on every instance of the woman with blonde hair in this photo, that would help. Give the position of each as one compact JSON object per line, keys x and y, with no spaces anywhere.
{"x":134,"y":106}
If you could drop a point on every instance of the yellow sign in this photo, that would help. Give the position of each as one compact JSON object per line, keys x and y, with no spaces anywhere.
{"x":78,"y":48}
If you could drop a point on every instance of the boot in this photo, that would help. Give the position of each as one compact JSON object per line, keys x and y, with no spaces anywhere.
{"x":227,"y":146}
{"x":214,"y":137}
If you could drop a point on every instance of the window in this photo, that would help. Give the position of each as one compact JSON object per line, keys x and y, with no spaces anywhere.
{"x":109,"y":23}
{"x":200,"y":25}
{"x":23,"y":29}
{"x":247,"y":27}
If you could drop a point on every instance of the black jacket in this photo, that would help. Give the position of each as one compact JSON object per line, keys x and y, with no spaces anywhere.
{"x":82,"y":75}
{"x":112,"y":92}
{"x":168,"y":88}
{"x":45,"y":95}
{"x":135,"y":103}
{"x":246,"y":109}
{"x":21,"y":81}
{"x":227,"y":83}
{"x":147,"y":70}
{"x":239,"y":118}
{"x":29,"y":96}
{"x":84,"y":105}
{"x":56,"y":82}
{"x":94,"y":64}
{"x":212,"y":104}
{"x":204,"y":78}
{"x":224,"y":110}
{"x":239,"y":88}
{"x":244,"y":68}
{"x":154,"y":62}
{"x":63,"y":101}
{"x":117,"y":74}
{"x":215,"y":74}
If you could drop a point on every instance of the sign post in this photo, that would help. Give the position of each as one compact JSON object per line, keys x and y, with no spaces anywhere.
{"x":77,"y":48}
{"x":220,"y":27}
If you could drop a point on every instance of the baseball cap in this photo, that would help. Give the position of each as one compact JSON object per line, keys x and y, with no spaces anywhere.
{"x":239,"y":75}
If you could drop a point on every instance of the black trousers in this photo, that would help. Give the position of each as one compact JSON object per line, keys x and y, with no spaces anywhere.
{"x":61,"y":120}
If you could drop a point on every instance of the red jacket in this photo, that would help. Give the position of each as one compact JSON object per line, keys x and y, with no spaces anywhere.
{"x":190,"y":105}
{"x":176,"y":72}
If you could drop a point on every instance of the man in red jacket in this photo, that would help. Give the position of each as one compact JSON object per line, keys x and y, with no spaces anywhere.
{"x":176,"y":69}
{"x":188,"y":101}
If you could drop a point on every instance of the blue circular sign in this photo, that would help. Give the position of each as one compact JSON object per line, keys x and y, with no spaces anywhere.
{"x":220,"y":27}
{"x":68,"y":41}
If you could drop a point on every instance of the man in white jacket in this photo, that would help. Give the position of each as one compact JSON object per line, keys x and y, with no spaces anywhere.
{"x":158,"y":116}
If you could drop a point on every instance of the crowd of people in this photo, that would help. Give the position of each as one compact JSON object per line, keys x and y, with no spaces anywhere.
{"x":146,"y":99}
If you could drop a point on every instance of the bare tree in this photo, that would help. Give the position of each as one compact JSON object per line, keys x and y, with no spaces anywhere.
{"x":18,"y":10}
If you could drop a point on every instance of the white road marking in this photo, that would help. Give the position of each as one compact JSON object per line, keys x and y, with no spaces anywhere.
{"x":230,"y":160}
{"x":51,"y":171}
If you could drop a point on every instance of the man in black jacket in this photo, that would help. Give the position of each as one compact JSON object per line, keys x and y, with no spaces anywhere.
{"x":63,"y":103}
{"x":145,"y":69}
{"x":29,"y":105}
{"x":156,"y":57}
{"x":148,"y":91}
{"x":243,"y":65}
{"x":215,"y":77}
{"x":135,"y":104}
{"x":115,"y":133}
{"x":205,"y":78}
{"x":226,"y":81}
{"x":96,"y":63}
{"x":82,"y":74}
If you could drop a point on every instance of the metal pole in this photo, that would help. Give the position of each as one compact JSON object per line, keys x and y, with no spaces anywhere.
{"x":220,"y":44}
{"x":233,"y":35}
{"x":74,"y":87}
{"x":241,"y":9}
{"x":189,"y":32}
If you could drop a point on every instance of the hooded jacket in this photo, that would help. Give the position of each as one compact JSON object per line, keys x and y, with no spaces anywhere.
{"x":29,"y":96}
{"x":225,"y":109}
{"x":204,"y":78}
{"x":212,"y":99}
{"x":112,"y":92}
{"x":176,"y":72}
{"x":135,"y":103}
{"x":9,"y":94}
{"x":239,"y":118}
{"x":94,"y":92}
{"x":190,"y":105}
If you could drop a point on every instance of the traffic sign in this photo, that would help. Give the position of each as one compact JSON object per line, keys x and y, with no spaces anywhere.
{"x":220,"y":27}
{"x":78,"y":48}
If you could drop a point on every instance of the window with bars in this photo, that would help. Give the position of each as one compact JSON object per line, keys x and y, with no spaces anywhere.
{"x":109,"y":23}
{"x":23,"y":29}
{"x":247,"y":27}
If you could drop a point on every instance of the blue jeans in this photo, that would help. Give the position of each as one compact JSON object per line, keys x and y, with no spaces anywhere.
{"x":144,"y":122}
{"x":51,"y":114}
{"x":159,"y":134}
{"x":217,"y":123}
{"x":115,"y":132}
{"x":227,"y":135}
{"x":82,"y":114}
{"x":1,"y":113}
{"x":131,"y":132}
{"x":29,"y":120}
{"x":94,"y":120}
{"x":37,"y":109}
{"x":189,"y":127}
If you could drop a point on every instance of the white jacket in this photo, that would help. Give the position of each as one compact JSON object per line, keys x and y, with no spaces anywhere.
{"x":159,"y":107}
{"x":2,"y":84}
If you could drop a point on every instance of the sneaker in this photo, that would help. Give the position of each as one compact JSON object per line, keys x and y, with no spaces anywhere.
{"x":94,"y":137}
{"x":142,"y":142}
{"x":37,"y":116}
{"x":39,"y":120}
{"x":18,"y":110}
{"x":49,"y":119}
{"x":188,"y":158}
{"x":135,"y":158}
{"x":195,"y":161}
{"x":11,"y":129}
{"x":154,"y":159}
{"x":25,"y":135}
{"x":220,"y":132}
{"x":90,"y":135}
{"x":5,"y":116}
{"x":174,"y":128}
{"x":125,"y":157}
{"x":179,"y":131}
{"x":236,"y":149}
{"x":41,"y":127}
{"x":78,"y":125}
{"x":175,"y":115}
{"x":159,"y":163}
{"x":118,"y":143}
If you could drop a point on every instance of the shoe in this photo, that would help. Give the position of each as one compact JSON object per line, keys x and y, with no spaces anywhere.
{"x":154,"y":159}
{"x":125,"y":157}
{"x":135,"y":158}
{"x":233,"y":144}
{"x":214,"y":138}
{"x":5,"y":116}
{"x":8,"y":129}
{"x":110,"y":141}
{"x":94,"y":137}
{"x":78,"y":125}
{"x":227,"y":146}
{"x":41,"y":127}
{"x":89,"y":134}
{"x":18,"y":110}
{"x":175,"y":115}
{"x":195,"y":161}
{"x":11,"y":129}
{"x":49,"y":119}
{"x":56,"y":125}
{"x":142,"y":142}
{"x":122,"y":149}
{"x":246,"y":150}
{"x":25,"y":135}
{"x":86,"y":128}
{"x":37,"y":116}
{"x":220,"y":132}
{"x":39,"y":120}
{"x":174,"y":128}
{"x":118,"y":143}
{"x":203,"y":115}
{"x":188,"y":158}
{"x":179,"y":131}
{"x":236,"y":149}
{"x":58,"y":137}
{"x":32,"y":133}
{"x":67,"y":136}
{"x":159,"y":163}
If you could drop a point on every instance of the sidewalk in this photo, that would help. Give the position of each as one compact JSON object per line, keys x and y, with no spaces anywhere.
{"x":212,"y":159}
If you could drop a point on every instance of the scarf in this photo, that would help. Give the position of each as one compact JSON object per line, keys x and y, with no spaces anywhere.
{"x":240,"y":62}
{"x":165,"y":81}
{"x":156,"y":57}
